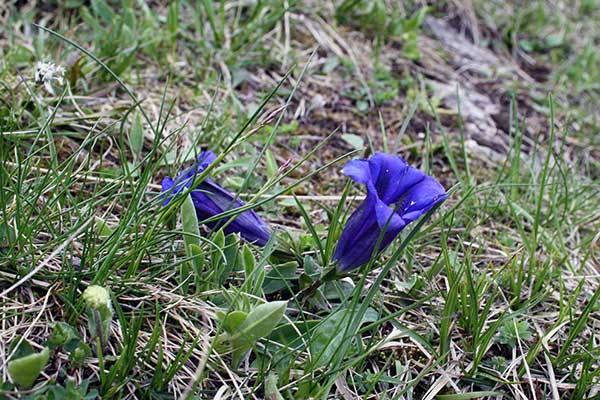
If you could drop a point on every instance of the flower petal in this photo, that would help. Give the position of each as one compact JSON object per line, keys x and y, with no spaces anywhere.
{"x":185,"y":178}
{"x":387,"y":217}
{"x":205,"y":159}
{"x":420,"y":198}
{"x":205,"y":207}
{"x":166,"y":184}
{"x":211,"y":199}
{"x":356,"y":243}
{"x":358,"y":171}
{"x":392,"y":176}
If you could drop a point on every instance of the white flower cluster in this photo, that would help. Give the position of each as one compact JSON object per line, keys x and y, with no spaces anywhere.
{"x":47,"y":72}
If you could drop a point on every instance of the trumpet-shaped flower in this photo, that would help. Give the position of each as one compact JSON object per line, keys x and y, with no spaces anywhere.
{"x":397,"y":194}
{"x":211,"y":199}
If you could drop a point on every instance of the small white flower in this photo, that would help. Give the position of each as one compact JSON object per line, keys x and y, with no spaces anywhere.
{"x":47,"y":72}
{"x":97,"y":298}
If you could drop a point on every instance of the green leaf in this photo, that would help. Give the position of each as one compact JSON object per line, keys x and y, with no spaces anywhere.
{"x":271,"y":390}
{"x":172,"y":19}
{"x":233,"y":182}
{"x":128,"y":17}
{"x":136,"y":135}
{"x":90,"y":20}
{"x":198,"y":265}
{"x":102,"y":227}
{"x":216,"y":258}
{"x":410,"y":48}
{"x":362,"y":105}
{"x":526,"y":45}
{"x":239,"y":76}
{"x":354,"y":140}
{"x":288,"y":205}
{"x":64,"y":335}
{"x":331,"y":63}
{"x":25,"y":370}
{"x":379,"y":16}
{"x":507,"y":334}
{"x":328,"y":337}
{"x":7,"y":234}
{"x":311,"y":267}
{"x":280,"y":277}
{"x":103,"y":10}
{"x":73,"y":3}
{"x":260,"y":322}
{"x":231,"y":258}
{"x":272,"y":167}
{"x":233,"y":320}
{"x":78,"y":355}
{"x":554,"y":40}
{"x":292,"y":334}
{"x":191,"y":236}
{"x":195,"y":252}
{"x":416,"y":20}
{"x":248,"y":261}
{"x":24,"y":347}
{"x":335,"y":290}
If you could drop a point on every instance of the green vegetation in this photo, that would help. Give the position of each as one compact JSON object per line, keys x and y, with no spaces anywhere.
{"x":106,"y":292}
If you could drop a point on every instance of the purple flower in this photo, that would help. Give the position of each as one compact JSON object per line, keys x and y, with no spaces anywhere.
{"x":397,"y":194}
{"x":211,"y":199}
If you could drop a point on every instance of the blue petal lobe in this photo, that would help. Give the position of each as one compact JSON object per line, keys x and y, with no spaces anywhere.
{"x":247,"y":223}
{"x":358,"y":171}
{"x":356,"y":245}
{"x":387,"y":217}
{"x":166,"y":184}
{"x":392,"y":176}
{"x":205,"y":159}
{"x":420,"y":198}
{"x":409,"y":178}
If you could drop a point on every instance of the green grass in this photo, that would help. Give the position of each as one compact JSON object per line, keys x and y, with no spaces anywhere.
{"x":493,"y":295}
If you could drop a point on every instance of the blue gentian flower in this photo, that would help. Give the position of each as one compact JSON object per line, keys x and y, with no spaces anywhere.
{"x":397,"y":194}
{"x":211,"y":199}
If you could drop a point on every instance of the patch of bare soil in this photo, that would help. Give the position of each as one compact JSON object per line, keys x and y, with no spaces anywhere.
{"x":470,"y":87}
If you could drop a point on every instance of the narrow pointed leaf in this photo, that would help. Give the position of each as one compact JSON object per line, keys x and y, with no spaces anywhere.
{"x":136,"y":135}
{"x":260,"y":322}
{"x":189,"y":220}
{"x":233,"y":320}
